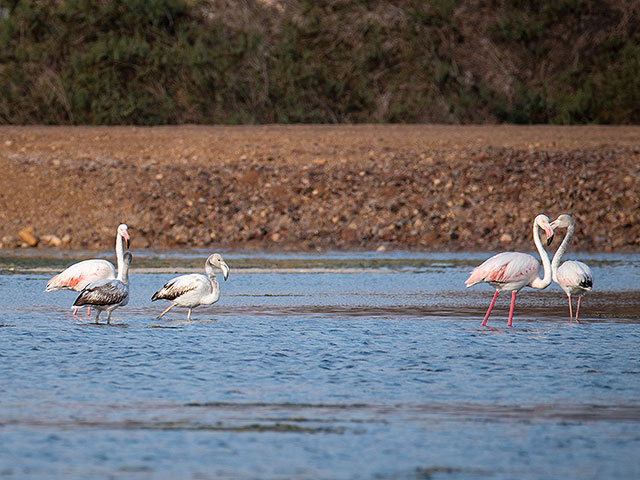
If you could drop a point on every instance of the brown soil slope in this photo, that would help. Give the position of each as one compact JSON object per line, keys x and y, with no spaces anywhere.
{"x":417,"y":187}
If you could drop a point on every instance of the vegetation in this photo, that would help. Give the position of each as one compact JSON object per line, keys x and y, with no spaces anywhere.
{"x":155,"y":62}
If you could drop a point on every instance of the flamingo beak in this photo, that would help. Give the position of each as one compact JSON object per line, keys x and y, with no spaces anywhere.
{"x":225,"y":270}
{"x":548,"y":230}
{"x":126,"y":237}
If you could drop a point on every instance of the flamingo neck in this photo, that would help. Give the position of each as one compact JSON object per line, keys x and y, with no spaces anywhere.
{"x":123,"y":273}
{"x":560,"y":252}
{"x":543,"y":282}
{"x":215,"y":288}
{"x":119,"y":254}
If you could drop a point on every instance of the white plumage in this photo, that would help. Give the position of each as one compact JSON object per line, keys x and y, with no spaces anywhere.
{"x":574,"y":277}
{"x":195,"y":289}
{"x":81,"y":274}
{"x":507,"y":271}
{"x":511,"y":271}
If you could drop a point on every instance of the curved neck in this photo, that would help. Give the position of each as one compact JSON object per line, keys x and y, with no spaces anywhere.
{"x":560,"y":252}
{"x":119,"y":253}
{"x":215,"y":288}
{"x":544,"y":256}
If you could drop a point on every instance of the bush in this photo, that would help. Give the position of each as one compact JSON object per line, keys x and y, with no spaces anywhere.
{"x":156,"y":62}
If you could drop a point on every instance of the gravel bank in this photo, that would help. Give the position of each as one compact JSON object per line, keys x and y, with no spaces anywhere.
{"x":413,"y":187}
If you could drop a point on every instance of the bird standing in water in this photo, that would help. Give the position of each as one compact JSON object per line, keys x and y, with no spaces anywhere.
{"x":574,"y":277}
{"x":107,"y":294}
{"x":511,"y":271}
{"x":195,"y":289}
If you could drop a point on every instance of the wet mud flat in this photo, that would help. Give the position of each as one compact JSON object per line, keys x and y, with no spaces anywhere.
{"x":341,"y":366}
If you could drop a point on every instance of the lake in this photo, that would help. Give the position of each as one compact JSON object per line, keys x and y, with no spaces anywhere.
{"x":353,"y":365}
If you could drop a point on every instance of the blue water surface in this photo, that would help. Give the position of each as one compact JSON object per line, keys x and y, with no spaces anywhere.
{"x":349,"y":373}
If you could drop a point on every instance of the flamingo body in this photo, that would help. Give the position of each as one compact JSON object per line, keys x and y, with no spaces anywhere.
{"x":194,"y":289}
{"x":574,"y":277}
{"x":187,"y":291}
{"x":81,"y":274}
{"x":507,"y":271}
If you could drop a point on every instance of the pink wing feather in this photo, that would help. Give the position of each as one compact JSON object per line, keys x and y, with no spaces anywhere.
{"x":506,"y":267}
{"x":81,"y":274}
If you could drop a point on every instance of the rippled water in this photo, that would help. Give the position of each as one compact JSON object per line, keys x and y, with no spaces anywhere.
{"x":339,"y":366}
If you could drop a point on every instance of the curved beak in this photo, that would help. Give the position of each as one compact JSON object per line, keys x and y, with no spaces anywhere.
{"x":548,"y":230}
{"x":225,"y":270}
{"x":125,"y":235}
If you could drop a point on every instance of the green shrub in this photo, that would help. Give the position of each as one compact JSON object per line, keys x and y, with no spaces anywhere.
{"x":156,"y":62}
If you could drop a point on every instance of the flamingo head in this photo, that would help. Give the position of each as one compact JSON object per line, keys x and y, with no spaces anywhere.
{"x":542,"y":221}
{"x":563,"y":221}
{"x":123,"y":231}
{"x":216,"y":261}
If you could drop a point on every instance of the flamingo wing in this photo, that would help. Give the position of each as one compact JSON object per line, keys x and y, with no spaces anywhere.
{"x":179,"y":286}
{"x":574,"y":274}
{"x":79,"y":275}
{"x":504,"y":268}
{"x":103,"y":292}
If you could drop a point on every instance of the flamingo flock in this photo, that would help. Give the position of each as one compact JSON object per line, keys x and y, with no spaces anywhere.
{"x":105,"y":289}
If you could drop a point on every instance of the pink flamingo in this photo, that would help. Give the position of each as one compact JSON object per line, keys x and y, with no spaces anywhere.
{"x":511,"y":271}
{"x":574,"y":277}
{"x":79,"y":275}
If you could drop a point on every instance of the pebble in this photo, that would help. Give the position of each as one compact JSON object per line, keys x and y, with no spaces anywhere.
{"x":27,"y":235}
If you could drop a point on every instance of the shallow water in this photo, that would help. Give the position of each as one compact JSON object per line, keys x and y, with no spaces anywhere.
{"x":345,"y":366}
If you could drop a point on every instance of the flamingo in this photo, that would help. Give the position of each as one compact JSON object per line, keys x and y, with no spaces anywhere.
{"x":574,"y":277}
{"x":79,"y":275}
{"x":194,"y":289}
{"x":511,"y":271}
{"x":107,"y":294}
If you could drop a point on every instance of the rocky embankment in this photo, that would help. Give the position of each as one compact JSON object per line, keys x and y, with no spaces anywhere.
{"x":318,"y":187}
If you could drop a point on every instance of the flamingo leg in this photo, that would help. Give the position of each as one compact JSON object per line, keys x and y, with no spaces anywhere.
{"x":486,"y":316}
{"x":109,"y":317}
{"x":578,"y":308}
{"x":166,"y":310}
{"x":513,"y":302}
{"x":189,"y":315}
{"x":570,"y":311}
{"x":88,"y":310}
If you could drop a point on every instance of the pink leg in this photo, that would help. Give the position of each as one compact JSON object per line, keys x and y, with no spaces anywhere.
{"x":578,"y":308}
{"x":75,"y":310}
{"x":88,"y":311}
{"x":486,"y":316}
{"x":513,"y":302}
{"x":570,"y":312}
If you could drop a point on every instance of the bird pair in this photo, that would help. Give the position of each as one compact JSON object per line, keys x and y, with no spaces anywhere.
{"x":101,"y":289}
{"x":511,"y":271}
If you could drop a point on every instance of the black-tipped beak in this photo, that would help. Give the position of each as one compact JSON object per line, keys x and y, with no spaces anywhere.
{"x":127,"y":243}
{"x":550,"y":240}
{"x":225,"y":270}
